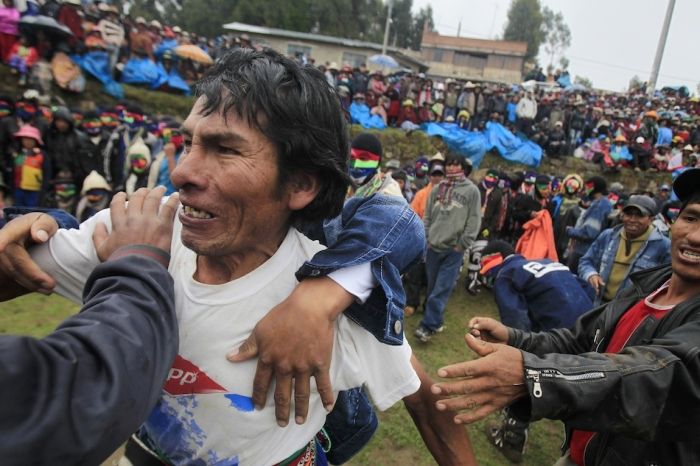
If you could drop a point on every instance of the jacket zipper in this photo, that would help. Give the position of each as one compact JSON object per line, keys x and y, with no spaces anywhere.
{"x":535,"y":375}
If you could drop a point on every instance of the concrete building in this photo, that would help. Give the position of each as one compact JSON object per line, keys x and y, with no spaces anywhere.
{"x":324,"y":49}
{"x":473,"y":59}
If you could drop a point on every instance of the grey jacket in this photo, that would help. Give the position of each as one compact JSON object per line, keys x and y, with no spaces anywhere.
{"x":456,"y":223}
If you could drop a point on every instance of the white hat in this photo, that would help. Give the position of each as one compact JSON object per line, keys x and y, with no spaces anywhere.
{"x":177,"y":29}
{"x":688,"y":147}
{"x":94,"y":181}
{"x":639,"y":140}
{"x":156,"y":24}
{"x":469,"y":85}
{"x":140,"y":20}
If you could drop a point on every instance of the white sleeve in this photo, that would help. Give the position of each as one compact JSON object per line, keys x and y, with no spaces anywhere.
{"x":356,"y":280}
{"x":384,"y":370}
{"x":69,"y":256}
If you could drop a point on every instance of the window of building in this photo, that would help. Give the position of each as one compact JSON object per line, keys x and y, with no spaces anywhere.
{"x":294,"y":50}
{"x":354,"y":59}
{"x":437,"y":54}
{"x":469,"y":60}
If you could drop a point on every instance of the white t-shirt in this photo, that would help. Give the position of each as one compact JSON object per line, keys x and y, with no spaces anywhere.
{"x":206,"y":410}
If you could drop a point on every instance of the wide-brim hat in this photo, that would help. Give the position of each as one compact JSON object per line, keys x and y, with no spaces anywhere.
{"x":469,"y":85}
{"x":28,"y":131}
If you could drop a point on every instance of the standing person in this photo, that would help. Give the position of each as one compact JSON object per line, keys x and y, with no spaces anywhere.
{"x":416,"y":279}
{"x":452,"y":219}
{"x":166,"y":160}
{"x":618,"y":252}
{"x":625,"y":379}
{"x":591,"y":222}
{"x":492,"y":220}
{"x":32,"y":168}
{"x":78,"y":393}
{"x":526,"y":111}
{"x":69,"y":148}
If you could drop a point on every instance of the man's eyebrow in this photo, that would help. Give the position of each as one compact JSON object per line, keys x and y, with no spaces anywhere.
{"x":216,"y":136}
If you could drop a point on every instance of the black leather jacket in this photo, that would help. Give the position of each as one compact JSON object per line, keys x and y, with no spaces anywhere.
{"x":644,"y":402}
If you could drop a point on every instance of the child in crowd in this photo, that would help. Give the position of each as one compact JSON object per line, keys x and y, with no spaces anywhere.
{"x":95,"y":196}
{"x":22,"y":58}
{"x":31,"y":167}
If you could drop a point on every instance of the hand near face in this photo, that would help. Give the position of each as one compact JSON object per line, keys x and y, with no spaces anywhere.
{"x":293,"y":343}
{"x":142,"y":221}
{"x":484,"y":385}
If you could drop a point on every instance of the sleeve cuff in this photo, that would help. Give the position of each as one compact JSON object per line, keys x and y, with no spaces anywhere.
{"x":356,"y":280}
{"x":144,"y":250}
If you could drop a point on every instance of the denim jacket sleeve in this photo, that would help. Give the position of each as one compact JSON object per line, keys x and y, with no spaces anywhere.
{"x":590,"y":263}
{"x":382,"y":230}
{"x":63,"y":218}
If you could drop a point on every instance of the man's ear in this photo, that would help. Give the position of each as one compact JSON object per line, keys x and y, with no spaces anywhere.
{"x":303,"y":189}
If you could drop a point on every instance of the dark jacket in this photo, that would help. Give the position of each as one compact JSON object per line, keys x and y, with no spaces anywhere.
{"x":76,"y":395}
{"x":537,"y":295}
{"x":644,"y":402}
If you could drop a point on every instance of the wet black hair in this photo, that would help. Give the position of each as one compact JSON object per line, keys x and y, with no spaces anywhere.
{"x":296,"y":109}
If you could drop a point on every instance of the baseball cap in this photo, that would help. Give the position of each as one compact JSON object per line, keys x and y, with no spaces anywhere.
{"x":437,"y":167}
{"x":687,"y":184}
{"x":645,"y":204}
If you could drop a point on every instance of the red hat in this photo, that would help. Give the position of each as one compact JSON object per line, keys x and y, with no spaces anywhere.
{"x":28,"y":131}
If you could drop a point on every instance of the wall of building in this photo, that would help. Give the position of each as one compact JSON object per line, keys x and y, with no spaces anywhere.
{"x":323,"y":52}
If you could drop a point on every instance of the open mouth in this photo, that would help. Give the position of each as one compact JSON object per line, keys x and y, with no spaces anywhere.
{"x":692,"y":256}
{"x":193,"y":212}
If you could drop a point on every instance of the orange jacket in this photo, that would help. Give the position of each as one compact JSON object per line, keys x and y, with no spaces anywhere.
{"x":420,"y":200}
{"x":537,"y":241}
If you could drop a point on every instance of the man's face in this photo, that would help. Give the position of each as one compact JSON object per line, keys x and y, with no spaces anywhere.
{"x":635,"y":222}
{"x":436,"y":178}
{"x":663,"y":194}
{"x":685,"y":244}
{"x":229,"y":187}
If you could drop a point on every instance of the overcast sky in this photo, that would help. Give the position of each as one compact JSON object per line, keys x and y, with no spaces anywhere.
{"x":612,"y":40}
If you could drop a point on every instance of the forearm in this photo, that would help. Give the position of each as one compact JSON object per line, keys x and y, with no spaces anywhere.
{"x":80,"y":392}
{"x":447,"y":441}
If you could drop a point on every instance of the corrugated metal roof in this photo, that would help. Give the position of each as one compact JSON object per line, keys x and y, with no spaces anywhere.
{"x":265,"y":31}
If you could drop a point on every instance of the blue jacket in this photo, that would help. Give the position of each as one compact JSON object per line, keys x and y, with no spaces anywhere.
{"x":590,"y":224}
{"x":385,"y":231}
{"x":600,"y":257}
{"x":537,"y":295}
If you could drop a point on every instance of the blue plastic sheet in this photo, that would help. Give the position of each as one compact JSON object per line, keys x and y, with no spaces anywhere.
{"x":475,"y":144}
{"x":167,"y":44}
{"x":472,"y":145}
{"x":142,"y":71}
{"x":359,"y":114}
{"x":96,"y":64}
{"x":564,"y":80}
{"x":171,"y":81}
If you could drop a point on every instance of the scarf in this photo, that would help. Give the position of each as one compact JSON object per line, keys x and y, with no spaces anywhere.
{"x":454,"y":174}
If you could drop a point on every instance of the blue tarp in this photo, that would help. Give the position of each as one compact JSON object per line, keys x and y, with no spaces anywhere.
{"x":475,"y":144}
{"x":167,"y":44}
{"x":96,"y":64}
{"x":512,"y":147}
{"x":172,"y":81}
{"x":472,"y":145}
{"x":564,"y":80}
{"x":142,"y":71}
{"x":359,"y":114}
